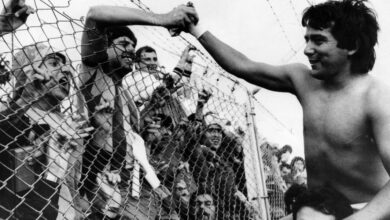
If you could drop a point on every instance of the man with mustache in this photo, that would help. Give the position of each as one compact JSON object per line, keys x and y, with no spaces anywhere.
{"x":204,"y":205}
{"x":346,"y":110}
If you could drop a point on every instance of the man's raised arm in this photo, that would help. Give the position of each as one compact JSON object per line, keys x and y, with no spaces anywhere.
{"x":100,"y":17}
{"x":277,"y":78}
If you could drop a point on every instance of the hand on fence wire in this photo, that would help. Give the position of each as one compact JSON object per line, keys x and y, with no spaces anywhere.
{"x":14,"y":14}
{"x":113,"y":176}
{"x":4,"y":70}
{"x":67,"y":133}
{"x":58,"y":153}
{"x":184,"y":66}
{"x":74,"y":128}
{"x":110,"y":192}
{"x":39,"y":147}
{"x":152,"y":129}
{"x":185,"y":166}
{"x":203,"y":97}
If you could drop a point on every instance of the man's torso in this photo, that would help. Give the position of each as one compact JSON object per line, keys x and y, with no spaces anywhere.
{"x":340,"y":149}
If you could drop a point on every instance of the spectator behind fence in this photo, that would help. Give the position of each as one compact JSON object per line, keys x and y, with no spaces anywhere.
{"x":36,"y":134}
{"x":181,"y":196}
{"x":180,"y":200}
{"x":204,"y":205}
{"x":107,"y":56}
{"x":285,"y":169}
{"x":107,"y":201}
{"x":146,"y":77}
{"x":285,"y":172}
{"x":322,"y":203}
{"x":154,"y":90}
{"x":145,"y":202}
{"x":274,"y":181}
{"x":210,"y":168}
{"x":299,"y":170}
{"x":284,"y":154}
{"x":148,"y":61}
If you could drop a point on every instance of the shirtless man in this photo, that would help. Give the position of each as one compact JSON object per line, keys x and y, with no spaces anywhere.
{"x":346,"y":111}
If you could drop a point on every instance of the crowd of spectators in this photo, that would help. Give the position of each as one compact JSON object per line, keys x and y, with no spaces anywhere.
{"x":129,"y":150}
{"x":285,"y":177}
{"x":289,"y":196}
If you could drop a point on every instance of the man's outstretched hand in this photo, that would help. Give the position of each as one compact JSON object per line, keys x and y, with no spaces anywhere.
{"x":180,"y":17}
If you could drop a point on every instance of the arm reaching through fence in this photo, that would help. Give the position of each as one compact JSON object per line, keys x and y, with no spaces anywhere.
{"x":13,"y":15}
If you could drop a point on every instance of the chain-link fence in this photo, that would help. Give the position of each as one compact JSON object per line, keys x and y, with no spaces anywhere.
{"x":156,"y":143}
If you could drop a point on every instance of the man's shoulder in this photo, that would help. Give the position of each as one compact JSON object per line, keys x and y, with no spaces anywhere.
{"x":377,"y":86}
{"x":300,"y":75}
{"x":297,"y":71}
{"x":377,"y":94}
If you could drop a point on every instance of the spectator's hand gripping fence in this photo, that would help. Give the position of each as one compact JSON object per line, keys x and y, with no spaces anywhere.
{"x":51,"y":165}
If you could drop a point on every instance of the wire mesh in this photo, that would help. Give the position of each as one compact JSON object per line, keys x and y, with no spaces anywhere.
{"x":188,"y":141}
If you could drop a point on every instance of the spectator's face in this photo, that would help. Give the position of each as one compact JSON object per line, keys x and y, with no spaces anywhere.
{"x":180,"y":132}
{"x":213,"y":137}
{"x":54,"y":66}
{"x":307,"y":213}
{"x":160,"y":133}
{"x":285,"y":171}
{"x":181,"y":191}
{"x":148,"y":62}
{"x":205,"y":208}
{"x":285,"y":157}
{"x":166,"y":134}
{"x":298,"y":165}
{"x":121,"y":53}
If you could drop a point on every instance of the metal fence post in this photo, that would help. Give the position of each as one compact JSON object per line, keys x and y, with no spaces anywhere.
{"x":258,"y":163}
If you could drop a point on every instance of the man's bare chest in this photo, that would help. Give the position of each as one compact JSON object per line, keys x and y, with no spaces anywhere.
{"x":337,"y":120}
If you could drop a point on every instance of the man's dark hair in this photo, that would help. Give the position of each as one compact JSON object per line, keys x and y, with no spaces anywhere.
{"x":325,"y":200}
{"x":146,"y":49}
{"x":295,"y":159}
{"x":119,"y":31}
{"x":286,"y":148}
{"x":352,"y":24}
